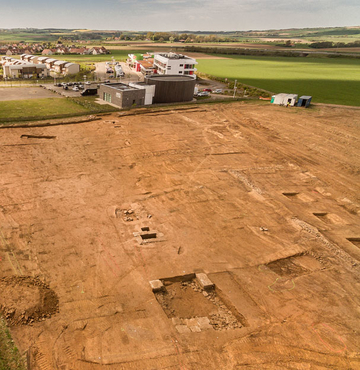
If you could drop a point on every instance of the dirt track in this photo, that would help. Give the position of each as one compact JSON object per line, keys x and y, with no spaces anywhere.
{"x":265,"y":200}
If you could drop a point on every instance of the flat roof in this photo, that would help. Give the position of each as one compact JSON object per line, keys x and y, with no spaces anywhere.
{"x":170,"y":78}
{"x":120,"y":86}
{"x":286,"y":94}
{"x":173,"y":56}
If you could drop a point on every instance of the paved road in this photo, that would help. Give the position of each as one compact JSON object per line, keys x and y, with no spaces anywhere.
{"x":130,"y":75}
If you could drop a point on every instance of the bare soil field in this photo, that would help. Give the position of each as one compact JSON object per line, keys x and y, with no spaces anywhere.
{"x":246,"y":216}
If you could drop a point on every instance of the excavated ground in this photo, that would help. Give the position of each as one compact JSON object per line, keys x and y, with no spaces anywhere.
{"x":265,"y":200}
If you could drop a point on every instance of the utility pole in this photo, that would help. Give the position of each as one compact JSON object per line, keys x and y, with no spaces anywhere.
{"x":235,"y":88}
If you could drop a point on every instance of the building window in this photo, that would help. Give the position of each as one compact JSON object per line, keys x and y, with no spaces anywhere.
{"x":180,"y":72}
{"x":181,"y":65}
{"x":169,"y":67}
{"x":107,"y":97}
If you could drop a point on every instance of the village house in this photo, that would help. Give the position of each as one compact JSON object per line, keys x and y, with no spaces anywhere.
{"x":47,"y":52}
{"x":99,"y":50}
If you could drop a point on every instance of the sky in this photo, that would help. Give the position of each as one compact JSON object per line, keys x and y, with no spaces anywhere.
{"x":178,"y":15}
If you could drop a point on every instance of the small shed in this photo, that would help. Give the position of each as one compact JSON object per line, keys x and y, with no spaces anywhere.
{"x":304,"y":101}
{"x":285,"y":99}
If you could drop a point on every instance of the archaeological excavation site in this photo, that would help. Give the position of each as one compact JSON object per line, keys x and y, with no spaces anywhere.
{"x":215,"y":236}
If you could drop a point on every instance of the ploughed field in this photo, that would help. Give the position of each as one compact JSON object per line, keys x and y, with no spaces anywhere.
{"x":328,"y":80}
{"x":259,"y":200}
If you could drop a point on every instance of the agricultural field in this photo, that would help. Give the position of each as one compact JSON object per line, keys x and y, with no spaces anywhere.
{"x":334,"y":81}
{"x":26,"y":37}
{"x":118,"y":54}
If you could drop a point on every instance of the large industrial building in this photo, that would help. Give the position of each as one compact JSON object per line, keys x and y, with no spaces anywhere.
{"x":126,"y":96}
{"x":156,"y":89}
{"x":174,"y":64}
{"x":172,"y":88}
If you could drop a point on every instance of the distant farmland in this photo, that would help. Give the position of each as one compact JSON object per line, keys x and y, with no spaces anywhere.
{"x":335,"y":81}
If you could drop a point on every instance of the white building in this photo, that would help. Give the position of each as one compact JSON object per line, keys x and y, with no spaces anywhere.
{"x":174,"y":64}
{"x":59,"y":66}
{"x":71,"y":68}
{"x":149,"y":91}
{"x":284,"y":99}
{"x":26,"y":70}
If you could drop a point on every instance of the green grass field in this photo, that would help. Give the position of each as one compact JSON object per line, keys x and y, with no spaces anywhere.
{"x":37,"y":109}
{"x":119,"y":55}
{"x":334,"y":81}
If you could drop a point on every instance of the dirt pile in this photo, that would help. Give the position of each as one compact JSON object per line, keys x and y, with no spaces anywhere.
{"x":25,"y":300}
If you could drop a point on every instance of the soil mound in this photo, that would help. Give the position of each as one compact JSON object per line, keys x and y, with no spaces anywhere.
{"x":25,"y":300}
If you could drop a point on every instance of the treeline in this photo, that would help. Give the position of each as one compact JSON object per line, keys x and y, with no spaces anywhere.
{"x":187,"y":37}
{"x":329,"y":44}
{"x":172,"y":37}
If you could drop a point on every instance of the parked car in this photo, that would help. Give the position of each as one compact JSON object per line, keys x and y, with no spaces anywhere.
{"x":203,"y":93}
{"x":209,"y":90}
{"x":75,"y":88}
{"x":89,"y":91}
{"x":218,"y":91}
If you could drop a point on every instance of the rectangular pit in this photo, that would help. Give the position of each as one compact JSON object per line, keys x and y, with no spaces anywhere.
{"x":194,"y":309}
{"x":148,"y":235}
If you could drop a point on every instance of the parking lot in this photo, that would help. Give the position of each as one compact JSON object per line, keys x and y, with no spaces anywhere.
{"x":70,"y":92}
{"x":24,"y":93}
{"x":129,"y":75}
